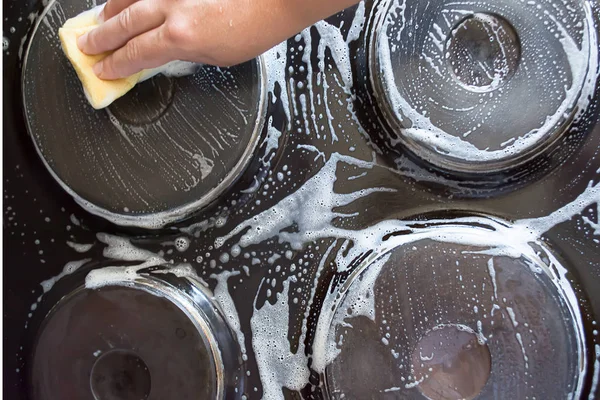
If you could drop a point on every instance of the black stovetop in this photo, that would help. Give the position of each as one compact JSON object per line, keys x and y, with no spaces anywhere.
{"x":39,"y":217}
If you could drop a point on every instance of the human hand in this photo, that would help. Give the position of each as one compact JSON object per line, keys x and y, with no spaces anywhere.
{"x":146,"y":34}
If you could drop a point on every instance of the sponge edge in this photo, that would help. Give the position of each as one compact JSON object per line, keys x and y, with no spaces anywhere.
{"x":100,"y":93}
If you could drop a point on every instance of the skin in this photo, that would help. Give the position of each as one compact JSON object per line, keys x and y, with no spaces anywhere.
{"x":149,"y":33}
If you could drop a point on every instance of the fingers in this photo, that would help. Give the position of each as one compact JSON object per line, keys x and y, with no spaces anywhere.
{"x":113,"y":7}
{"x":148,"y":50}
{"x":140,"y":17}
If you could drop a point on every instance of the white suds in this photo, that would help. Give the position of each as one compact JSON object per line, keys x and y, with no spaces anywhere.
{"x":224,"y":299}
{"x":277,"y":365}
{"x":80,"y":247}
{"x":68,"y":269}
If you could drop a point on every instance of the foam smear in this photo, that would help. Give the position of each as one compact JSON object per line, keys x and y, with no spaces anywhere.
{"x":541,"y":225}
{"x":277,"y":365}
{"x":155,"y":221}
{"x":109,"y":276}
{"x":313,"y":289}
{"x":310,"y":207}
{"x":80,"y":247}
{"x":276,"y":60}
{"x":175,"y":69}
{"x":48,"y":284}
{"x":222,"y":296}
{"x":126,"y":276}
{"x":271,"y":143}
{"x":331,"y":39}
{"x":68,"y":269}
{"x":121,"y":249}
{"x":595,"y":226}
{"x":596,"y":376}
{"x":358,"y":23}
{"x":362,"y":303}
{"x":182,"y":271}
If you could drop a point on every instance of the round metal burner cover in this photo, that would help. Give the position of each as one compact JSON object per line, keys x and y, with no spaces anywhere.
{"x":439,"y":321}
{"x":162,"y":151}
{"x":121,"y":343}
{"x":482,"y":86}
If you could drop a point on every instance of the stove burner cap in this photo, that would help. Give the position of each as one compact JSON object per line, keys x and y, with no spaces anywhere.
{"x":137,"y":342}
{"x":163,"y":151}
{"x":447,"y":321}
{"x":485,"y":86}
{"x":146,"y":103}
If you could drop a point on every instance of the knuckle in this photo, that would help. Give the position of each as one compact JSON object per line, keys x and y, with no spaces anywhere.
{"x":178,"y":33}
{"x":125,"y":19}
{"x":114,"y":7}
{"x":132,"y":51}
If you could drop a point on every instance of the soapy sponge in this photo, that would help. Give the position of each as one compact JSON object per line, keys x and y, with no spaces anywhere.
{"x":100,"y":93}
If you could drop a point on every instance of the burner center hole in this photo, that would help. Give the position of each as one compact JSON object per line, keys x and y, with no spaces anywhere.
{"x":482,"y":52}
{"x":452,"y":362}
{"x":145,"y":103}
{"x":120,"y":375}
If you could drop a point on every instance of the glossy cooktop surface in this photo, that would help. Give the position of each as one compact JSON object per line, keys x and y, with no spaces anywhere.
{"x":401,"y":201}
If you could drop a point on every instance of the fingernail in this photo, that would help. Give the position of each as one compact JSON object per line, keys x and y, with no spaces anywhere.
{"x":98,"y":68}
{"x":101,"y":17}
{"x":81,"y":41}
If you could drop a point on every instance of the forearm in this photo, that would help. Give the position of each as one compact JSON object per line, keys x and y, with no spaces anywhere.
{"x":304,"y":13}
{"x":279,"y":20}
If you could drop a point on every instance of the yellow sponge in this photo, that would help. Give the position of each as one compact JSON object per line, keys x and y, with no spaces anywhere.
{"x":100,"y":93}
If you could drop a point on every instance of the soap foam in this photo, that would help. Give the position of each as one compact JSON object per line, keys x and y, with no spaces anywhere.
{"x":222,"y":296}
{"x":277,"y":365}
